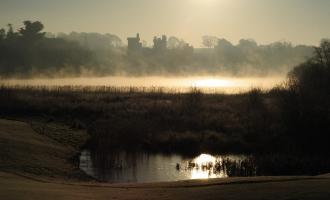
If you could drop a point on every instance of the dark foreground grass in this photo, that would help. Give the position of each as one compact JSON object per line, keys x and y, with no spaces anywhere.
{"x":133,"y":118}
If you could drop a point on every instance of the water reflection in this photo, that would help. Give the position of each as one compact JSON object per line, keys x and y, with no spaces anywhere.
{"x":142,"y":167}
{"x":203,"y":167}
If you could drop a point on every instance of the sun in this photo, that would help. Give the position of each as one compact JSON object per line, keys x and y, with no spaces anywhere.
{"x":205,"y":2}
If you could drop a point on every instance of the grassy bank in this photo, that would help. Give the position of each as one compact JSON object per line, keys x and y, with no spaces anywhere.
{"x":42,"y":150}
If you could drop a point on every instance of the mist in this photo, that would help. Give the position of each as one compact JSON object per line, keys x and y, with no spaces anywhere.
{"x":32,"y":53}
{"x":206,"y":84}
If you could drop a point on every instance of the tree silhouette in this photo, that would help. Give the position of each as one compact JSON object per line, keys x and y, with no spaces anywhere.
{"x":306,"y":106}
{"x":2,"y":34}
{"x":10,"y":33}
{"x":323,"y":53}
{"x":315,"y":73}
{"x":32,"y":30}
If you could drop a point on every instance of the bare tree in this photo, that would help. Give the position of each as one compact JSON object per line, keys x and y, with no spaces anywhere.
{"x":322,"y":53}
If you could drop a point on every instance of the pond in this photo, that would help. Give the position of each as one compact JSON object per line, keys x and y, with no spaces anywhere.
{"x":144,"y":167}
{"x":139,"y":167}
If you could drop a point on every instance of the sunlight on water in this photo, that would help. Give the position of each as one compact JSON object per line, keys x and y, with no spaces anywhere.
{"x":182,"y":84}
{"x":204,"y":167}
{"x":204,"y":159}
{"x":144,"y":167}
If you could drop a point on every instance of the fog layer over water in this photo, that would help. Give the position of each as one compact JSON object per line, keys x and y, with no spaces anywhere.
{"x":179,"y":84}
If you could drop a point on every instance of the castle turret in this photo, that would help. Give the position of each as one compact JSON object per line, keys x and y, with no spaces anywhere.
{"x":134,"y":44}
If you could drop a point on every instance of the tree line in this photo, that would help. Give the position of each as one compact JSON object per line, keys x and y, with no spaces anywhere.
{"x":29,"y":51}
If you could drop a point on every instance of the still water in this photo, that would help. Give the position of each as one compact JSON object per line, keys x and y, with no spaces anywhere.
{"x":147,"y":167}
{"x":142,"y":167}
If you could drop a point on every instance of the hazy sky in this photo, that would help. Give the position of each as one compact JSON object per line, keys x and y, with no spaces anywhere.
{"x":298,"y":21}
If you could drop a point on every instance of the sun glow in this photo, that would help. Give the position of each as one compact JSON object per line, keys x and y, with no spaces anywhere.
{"x":204,"y":167}
{"x":213,"y":83}
{"x":204,"y":159}
{"x":211,"y":2}
{"x":205,"y":2}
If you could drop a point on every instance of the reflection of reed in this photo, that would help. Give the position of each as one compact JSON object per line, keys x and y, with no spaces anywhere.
{"x":113,"y":165}
{"x":114,"y":160}
{"x":244,"y":167}
{"x":273,"y":165}
{"x":119,"y":166}
{"x":262,"y":165}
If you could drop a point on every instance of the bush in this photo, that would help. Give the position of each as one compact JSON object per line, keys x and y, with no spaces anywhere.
{"x":306,"y":104}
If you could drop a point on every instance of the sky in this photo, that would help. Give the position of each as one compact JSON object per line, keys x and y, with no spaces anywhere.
{"x":266,"y":21}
